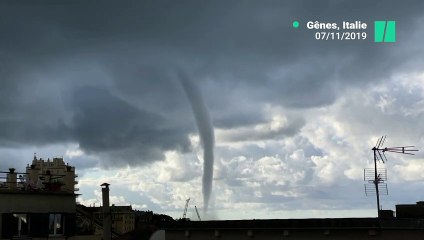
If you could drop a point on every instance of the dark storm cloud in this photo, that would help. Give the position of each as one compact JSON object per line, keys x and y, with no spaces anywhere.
{"x":249,"y":134}
{"x":243,"y":54}
{"x":104,"y":123}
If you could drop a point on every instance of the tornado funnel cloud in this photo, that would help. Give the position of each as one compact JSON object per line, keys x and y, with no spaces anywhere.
{"x":206,"y":133}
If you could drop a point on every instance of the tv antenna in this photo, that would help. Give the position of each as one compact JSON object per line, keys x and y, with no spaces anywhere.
{"x":376,"y":182}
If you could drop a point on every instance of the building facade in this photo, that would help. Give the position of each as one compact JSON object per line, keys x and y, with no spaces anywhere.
{"x":39,"y":203}
{"x":123,"y":218}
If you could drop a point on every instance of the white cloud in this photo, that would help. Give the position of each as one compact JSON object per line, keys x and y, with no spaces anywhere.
{"x":74,"y":152}
{"x":176,"y":168}
{"x":411,"y":170}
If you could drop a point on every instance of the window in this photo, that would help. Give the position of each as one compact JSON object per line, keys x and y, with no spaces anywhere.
{"x":20,"y":227}
{"x":56,"y":224}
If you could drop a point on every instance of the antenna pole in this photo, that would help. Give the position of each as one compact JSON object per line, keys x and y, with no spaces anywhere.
{"x":376,"y":181}
{"x":379,"y":151}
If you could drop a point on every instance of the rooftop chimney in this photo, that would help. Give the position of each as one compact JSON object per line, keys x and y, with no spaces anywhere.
{"x":107,"y":220}
{"x":11,"y":179}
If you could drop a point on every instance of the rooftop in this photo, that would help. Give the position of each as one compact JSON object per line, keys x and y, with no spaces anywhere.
{"x":323,"y":223}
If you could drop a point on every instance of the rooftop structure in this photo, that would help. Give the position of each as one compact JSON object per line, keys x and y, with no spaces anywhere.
{"x":42,"y":175}
{"x":410,"y":210}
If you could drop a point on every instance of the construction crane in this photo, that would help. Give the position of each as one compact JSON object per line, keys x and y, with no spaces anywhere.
{"x":185,"y":209}
{"x":197,"y":213}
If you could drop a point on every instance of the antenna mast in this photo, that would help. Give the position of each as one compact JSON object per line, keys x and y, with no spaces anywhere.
{"x":379,"y":176}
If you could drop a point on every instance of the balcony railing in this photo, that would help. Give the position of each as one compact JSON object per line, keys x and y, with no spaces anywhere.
{"x":47,"y":182}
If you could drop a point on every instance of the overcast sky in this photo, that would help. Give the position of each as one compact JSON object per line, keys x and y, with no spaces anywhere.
{"x":294,"y":118}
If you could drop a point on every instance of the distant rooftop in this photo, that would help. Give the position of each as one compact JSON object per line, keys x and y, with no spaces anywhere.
{"x":41,"y":176}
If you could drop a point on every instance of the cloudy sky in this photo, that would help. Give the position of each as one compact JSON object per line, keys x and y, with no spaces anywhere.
{"x":294,"y":118}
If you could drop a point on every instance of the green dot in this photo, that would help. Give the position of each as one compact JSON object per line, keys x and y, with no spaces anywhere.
{"x":295,"y":24}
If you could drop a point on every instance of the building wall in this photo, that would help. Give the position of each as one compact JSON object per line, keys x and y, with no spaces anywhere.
{"x":86,"y":237}
{"x":123,"y":222}
{"x":36,"y":202}
{"x":36,"y":213}
{"x":38,"y":209}
{"x":123,"y":218}
{"x":299,"y":234}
